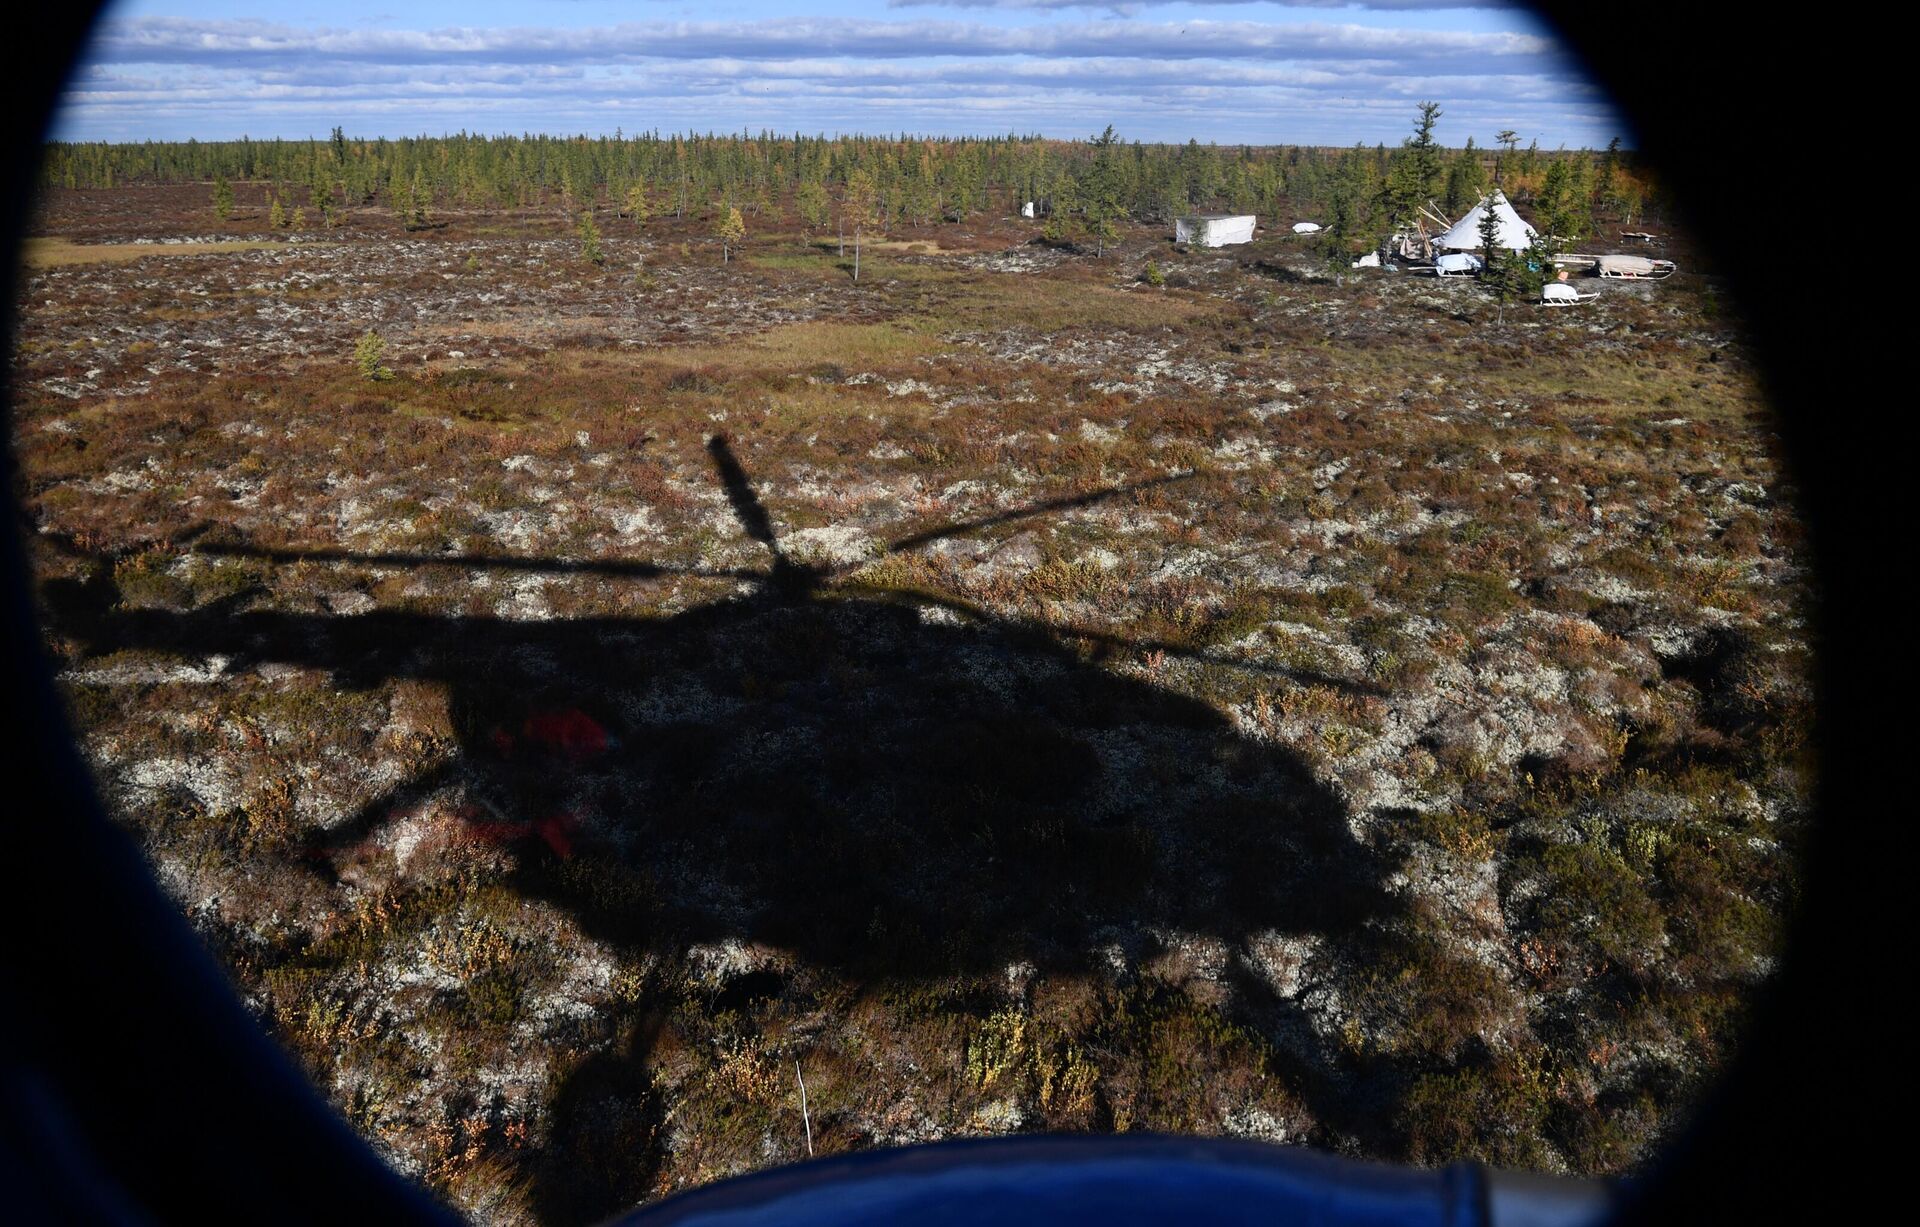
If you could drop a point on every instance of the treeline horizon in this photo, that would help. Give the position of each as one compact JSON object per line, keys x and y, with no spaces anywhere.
{"x":1359,"y":192}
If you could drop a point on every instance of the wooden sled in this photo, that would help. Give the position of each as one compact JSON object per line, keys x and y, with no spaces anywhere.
{"x":1634,"y":268}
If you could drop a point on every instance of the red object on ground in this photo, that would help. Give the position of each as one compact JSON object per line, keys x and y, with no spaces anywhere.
{"x":568,"y":732}
{"x":555,"y":830}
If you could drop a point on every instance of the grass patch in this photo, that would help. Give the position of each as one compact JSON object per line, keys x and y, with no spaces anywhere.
{"x":61,"y":253}
{"x":796,"y":347}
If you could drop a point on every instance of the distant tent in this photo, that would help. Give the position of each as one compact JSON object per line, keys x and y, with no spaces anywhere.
{"x":1214,"y":229}
{"x":1026,"y":210}
{"x":1306,"y":227}
{"x":1512,"y":232}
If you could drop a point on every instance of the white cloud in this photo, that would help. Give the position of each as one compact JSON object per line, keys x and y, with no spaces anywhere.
{"x":1130,"y":7}
{"x":1231,"y":81}
{"x":181,"y":40}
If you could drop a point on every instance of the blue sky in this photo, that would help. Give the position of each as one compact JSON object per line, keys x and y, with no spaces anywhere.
{"x":1323,"y":72}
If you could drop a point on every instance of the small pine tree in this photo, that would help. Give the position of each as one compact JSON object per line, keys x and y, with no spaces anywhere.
{"x":1415,"y":174}
{"x":1153,"y":276}
{"x":276,"y":216}
{"x":401,"y":193}
{"x":1489,"y":232}
{"x":1102,"y":190}
{"x":1508,"y":140}
{"x":222,"y":198}
{"x":1466,"y":180}
{"x":420,"y":219}
{"x":590,"y":239}
{"x":299,"y":220}
{"x":729,"y":228}
{"x":1496,"y":270}
{"x":367,"y":355}
{"x":1508,"y":273}
{"x":1604,"y":192}
{"x":1065,"y":200}
{"x":321,"y":193}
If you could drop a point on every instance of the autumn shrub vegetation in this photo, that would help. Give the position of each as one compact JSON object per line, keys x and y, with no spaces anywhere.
{"x":1278,"y":708}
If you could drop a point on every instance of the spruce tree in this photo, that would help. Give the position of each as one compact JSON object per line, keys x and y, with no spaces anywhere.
{"x":590,"y":239}
{"x":1100,"y":191}
{"x":1415,"y":175}
{"x":400,"y":195}
{"x":368,"y":354}
{"x":1507,"y":139}
{"x":1466,"y":180}
{"x":321,"y":193}
{"x":811,"y":200}
{"x":1604,"y":188}
{"x":1493,"y":266}
{"x":1063,"y":202}
{"x":222,"y":198}
{"x":422,"y":198}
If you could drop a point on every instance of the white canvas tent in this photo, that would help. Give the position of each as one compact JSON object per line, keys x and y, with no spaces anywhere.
{"x":1512,"y":231}
{"x":1214,"y":229}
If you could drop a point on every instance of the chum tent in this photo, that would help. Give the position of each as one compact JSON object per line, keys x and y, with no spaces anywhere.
{"x":1512,"y":233}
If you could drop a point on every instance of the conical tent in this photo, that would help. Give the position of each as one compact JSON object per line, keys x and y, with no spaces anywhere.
{"x":1512,"y":233}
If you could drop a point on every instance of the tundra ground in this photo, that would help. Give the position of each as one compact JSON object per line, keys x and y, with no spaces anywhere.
{"x":1331,"y":707}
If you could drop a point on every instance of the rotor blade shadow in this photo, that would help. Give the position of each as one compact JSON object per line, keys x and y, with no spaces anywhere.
{"x":322,"y":854}
{"x":788,"y":577}
{"x":624,"y":568}
{"x":1065,"y":630}
{"x":746,"y":505}
{"x":928,"y":537}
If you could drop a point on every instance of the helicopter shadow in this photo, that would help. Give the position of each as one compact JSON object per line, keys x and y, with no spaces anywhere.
{"x":879,"y":787}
